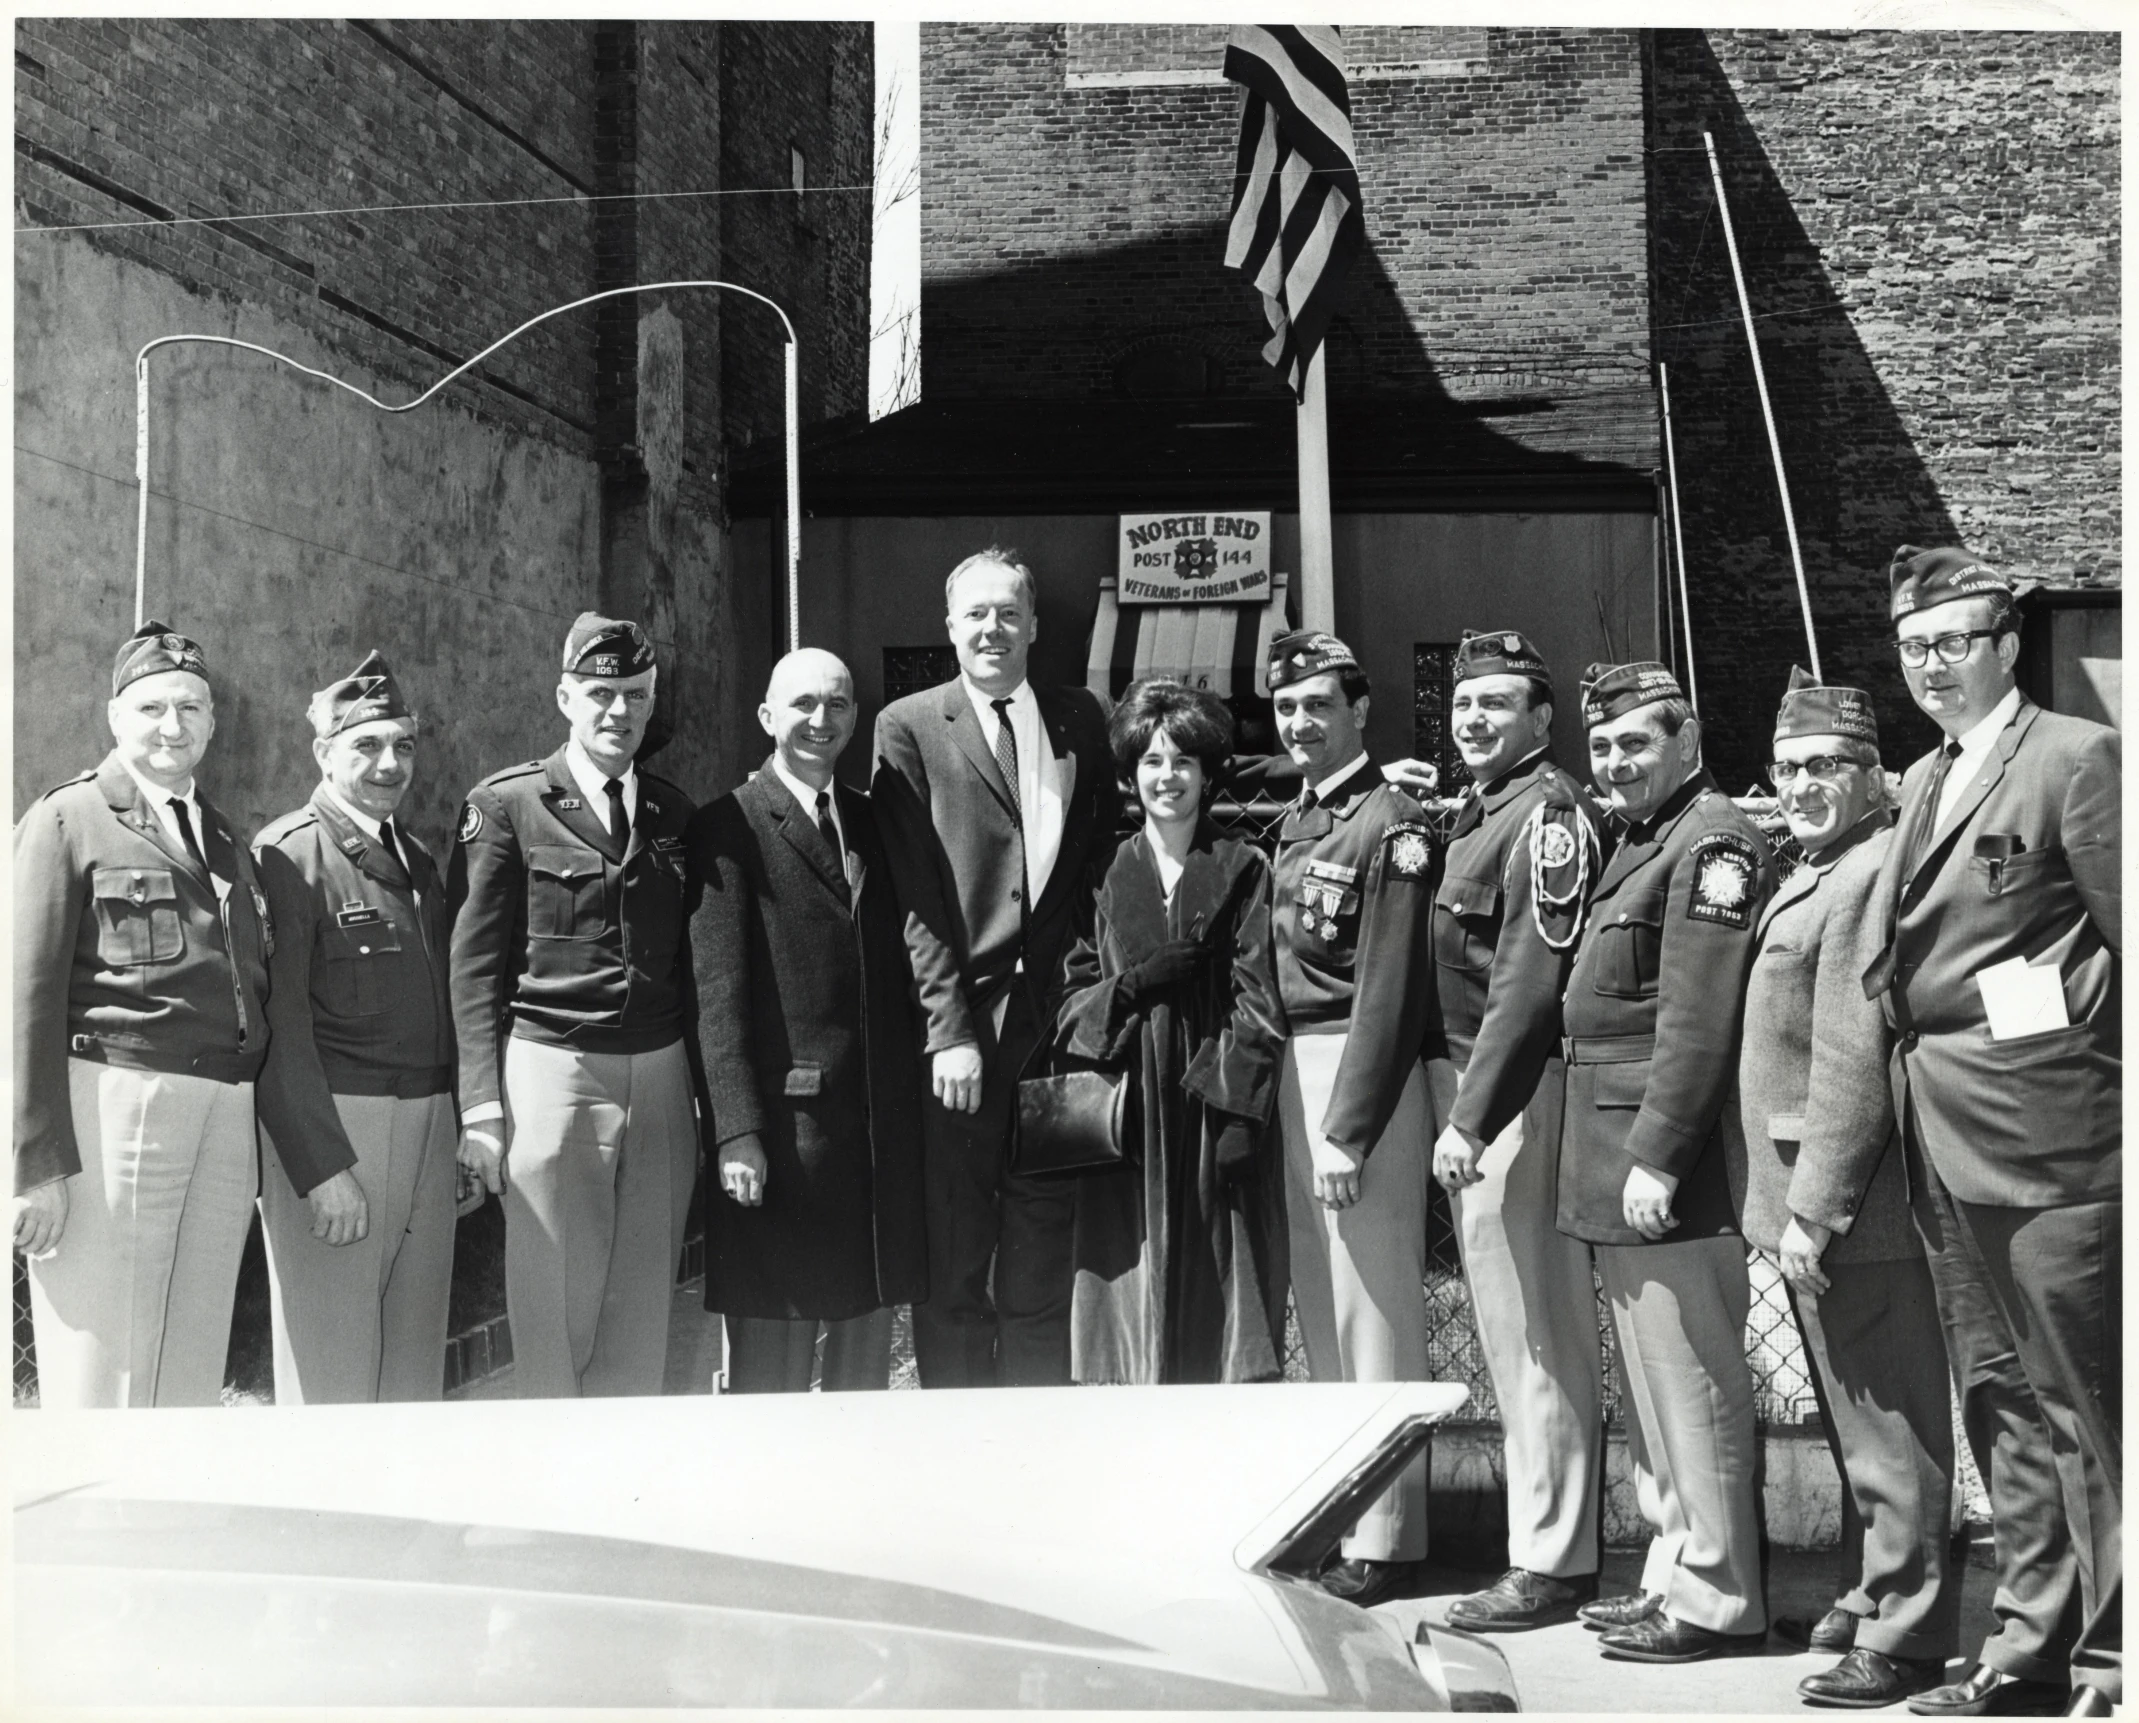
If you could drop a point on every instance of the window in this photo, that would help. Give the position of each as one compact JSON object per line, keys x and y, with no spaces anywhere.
{"x":797,"y":174}
{"x":1433,"y":685}
{"x":913,"y":669}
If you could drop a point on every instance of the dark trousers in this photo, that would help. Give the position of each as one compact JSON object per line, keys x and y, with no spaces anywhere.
{"x":778,"y":1355}
{"x":1879,"y":1368}
{"x":1000,"y":1268}
{"x":2005,"y":1398}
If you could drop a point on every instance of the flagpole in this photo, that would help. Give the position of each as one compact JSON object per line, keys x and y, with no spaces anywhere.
{"x":1678,"y":537}
{"x":1318,"y":582}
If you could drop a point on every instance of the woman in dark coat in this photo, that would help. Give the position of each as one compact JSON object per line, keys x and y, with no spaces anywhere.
{"x":1180,"y":1252}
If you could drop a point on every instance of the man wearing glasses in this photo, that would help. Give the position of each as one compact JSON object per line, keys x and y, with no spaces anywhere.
{"x":2001,"y":979}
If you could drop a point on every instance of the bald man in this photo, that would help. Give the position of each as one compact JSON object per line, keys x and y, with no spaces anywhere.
{"x":810,"y":1056}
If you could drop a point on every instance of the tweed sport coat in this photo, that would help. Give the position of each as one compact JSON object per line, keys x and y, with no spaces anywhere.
{"x":957,"y":852}
{"x":2027,"y":866}
{"x":1820,"y":1141}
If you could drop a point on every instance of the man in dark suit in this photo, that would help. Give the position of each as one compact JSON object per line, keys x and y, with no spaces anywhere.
{"x":356,"y":1098}
{"x":996,"y":801}
{"x":810,"y":1059}
{"x":2002,"y":979}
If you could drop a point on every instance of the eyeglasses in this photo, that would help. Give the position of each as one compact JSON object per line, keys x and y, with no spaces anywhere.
{"x":1824,"y":768}
{"x":1951,"y":647}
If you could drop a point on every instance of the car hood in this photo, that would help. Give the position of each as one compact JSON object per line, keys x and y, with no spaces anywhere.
{"x":1037,"y":1546}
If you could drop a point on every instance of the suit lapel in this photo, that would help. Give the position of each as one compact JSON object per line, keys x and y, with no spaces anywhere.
{"x":798,"y":830}
{"x":566,"y":802}
{"x":1800,"y":884}
{"x":855,"y":818}
{"x":957,"y":708}
{"x":123,"y":796}
{"x":1971,"y":798}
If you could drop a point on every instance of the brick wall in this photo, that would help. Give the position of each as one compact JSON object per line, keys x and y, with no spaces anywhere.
{"x":1929,"y":224}
{"x":1065,"y":227}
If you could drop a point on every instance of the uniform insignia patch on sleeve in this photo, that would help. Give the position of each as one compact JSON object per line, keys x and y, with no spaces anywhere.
{"x":1724,"y":869}
{"x":1410,"y":857}
{"x":1556,"y":845}
{"x":471,"y":822}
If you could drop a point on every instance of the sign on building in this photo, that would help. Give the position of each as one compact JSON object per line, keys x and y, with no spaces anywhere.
{"x":1195,"y":558}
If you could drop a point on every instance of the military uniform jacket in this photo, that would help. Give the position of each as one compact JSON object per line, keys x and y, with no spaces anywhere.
{"x":359,"y":1004}
{"x":560,"y":934}
{"x":808,"y":1036}
{"x":1522,"y":860}
{"x":2027,"y":866}
{"x":127,"y":954}
{"x":1351,"y":911}
{"x":1652,"y":1013}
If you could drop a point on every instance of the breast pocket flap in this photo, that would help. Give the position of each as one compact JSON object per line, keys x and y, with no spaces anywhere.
{"x":562,"y":861}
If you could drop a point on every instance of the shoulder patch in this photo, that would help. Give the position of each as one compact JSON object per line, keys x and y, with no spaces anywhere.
{"x":1725,"y":870}
{"x":1410,"y":850}
{"x":471,"y":822}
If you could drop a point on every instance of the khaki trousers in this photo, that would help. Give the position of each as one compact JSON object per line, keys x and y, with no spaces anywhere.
{"x":367,"y":1321}
{"x":1358,"y":1274}
{"x":776,"y":1354}
{"x":133,"y":1307}
{"x":1679,"y":1312}
{"x":1534,"y":1301}
{"x":599,"y":1169}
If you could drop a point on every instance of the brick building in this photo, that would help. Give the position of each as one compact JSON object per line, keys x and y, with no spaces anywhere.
{"x":291,"y":527}
{"x":1928,"y":226}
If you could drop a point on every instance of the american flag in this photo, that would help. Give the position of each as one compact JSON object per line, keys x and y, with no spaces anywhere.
{"x":1296,"y":210}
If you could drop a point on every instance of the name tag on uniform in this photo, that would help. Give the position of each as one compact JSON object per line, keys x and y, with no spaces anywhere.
{"x":359,"y":915}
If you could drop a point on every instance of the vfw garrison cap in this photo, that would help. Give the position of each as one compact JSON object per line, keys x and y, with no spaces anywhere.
{"x":604,"y":646}
{"x":1306,"y":652}
{"x":152,"y":649}
{"x":1923,"y":578}
{"x":1812,"y":708}
{"x":1504,"y":654}
{"x":1612,"y":690}
{"x":366,"y":694}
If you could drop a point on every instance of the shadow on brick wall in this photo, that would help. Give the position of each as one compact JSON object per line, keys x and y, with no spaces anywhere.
{"x":1857,"y":480}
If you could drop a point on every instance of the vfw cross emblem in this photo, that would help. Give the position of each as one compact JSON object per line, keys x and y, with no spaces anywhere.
{"x":1195,"y":559}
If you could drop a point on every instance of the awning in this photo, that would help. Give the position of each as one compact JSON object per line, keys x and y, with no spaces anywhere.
{"x":1221,"y":647}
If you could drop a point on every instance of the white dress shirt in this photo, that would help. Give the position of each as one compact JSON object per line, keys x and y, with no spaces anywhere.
{"x":1042,"y":801}
{"x":1330,"y":785}
{"x":159,"y":802}
{"x":1975,"y":749}
{"x":593,"y":781}
{"x":363,"y":821}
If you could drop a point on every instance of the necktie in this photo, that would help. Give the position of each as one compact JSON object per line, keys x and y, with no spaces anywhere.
{"x":827,"y":825}
{"x":185,"y":831}
{"x":388,"y":843}
{"x":619,"y":820}
{"x":1927,"y":816}
{"x":1006,"y":754}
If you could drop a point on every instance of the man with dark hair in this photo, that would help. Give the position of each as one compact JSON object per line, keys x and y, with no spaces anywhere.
{"x":356,"y":1098}
{"x":141,"y":948}
{"x":2002,"y":978}
{"x":571,"y":925}
{"x":1522,"y":858}
{"x":997,"y":800}
{"x":1651,"y":1022}
{"x":1352,"y":925}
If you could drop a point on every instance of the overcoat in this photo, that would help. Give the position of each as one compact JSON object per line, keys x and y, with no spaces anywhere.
{"x":1652,"y":1015}
{"x":806,"y":1029}
{"x":1820,"y":1141}
{"x":2028,"y":865}
{"x":1181,"y":1266}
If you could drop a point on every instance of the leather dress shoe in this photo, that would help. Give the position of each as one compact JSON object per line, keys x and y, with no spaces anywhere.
{"x":1367,"y":1583}
{"x":1866,"y":1680}
{"x":1660,"y":1638}
{"x":1520,"y":1599}
{"x":1987,"y":1692}
{"x":1834,"y":1631}
{"x":1606,"y":1612}
{"x":2089,"y":1702}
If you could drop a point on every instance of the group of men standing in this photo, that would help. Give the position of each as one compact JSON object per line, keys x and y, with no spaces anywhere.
{"x":1545,"y":1011}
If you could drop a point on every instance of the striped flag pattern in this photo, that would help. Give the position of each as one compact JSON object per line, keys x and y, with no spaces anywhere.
{"x":1297,"y":222}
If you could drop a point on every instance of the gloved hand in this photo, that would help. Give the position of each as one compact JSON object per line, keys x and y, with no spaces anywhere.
{"x":1235,"y":1146}
{"x":1176,"y":961}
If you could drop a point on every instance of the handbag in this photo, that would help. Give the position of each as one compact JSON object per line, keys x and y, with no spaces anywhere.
{"x":1071,"y":1122}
